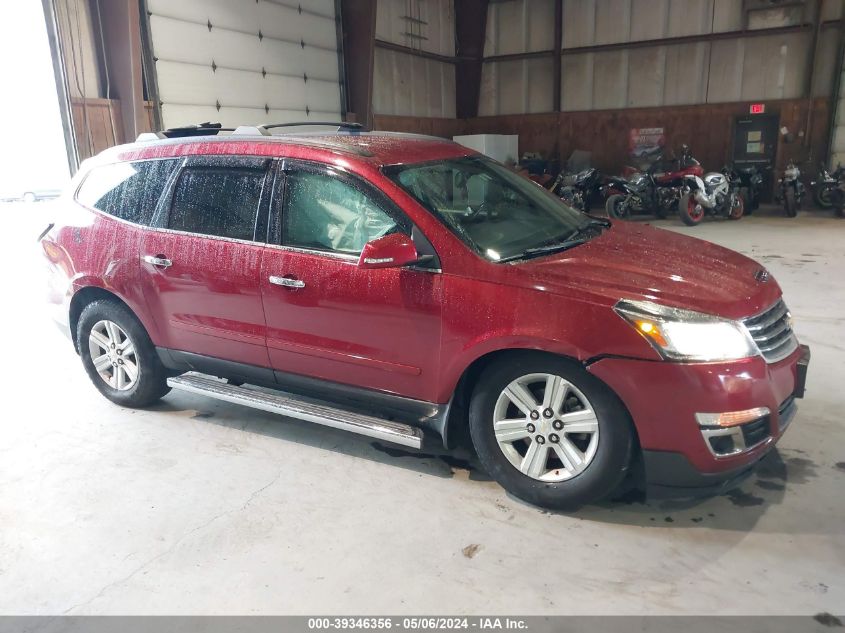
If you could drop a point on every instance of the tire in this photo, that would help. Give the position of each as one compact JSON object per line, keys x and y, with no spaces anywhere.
{"x":748,"y":203}
{"x":112,"y":321}
{"x":690,"y":211}
{"x":822,"y":197}
{"x":548,"y":481}
{"x":739,"y":210}
{"x":789,"y":204}
{"x":613,"y":207}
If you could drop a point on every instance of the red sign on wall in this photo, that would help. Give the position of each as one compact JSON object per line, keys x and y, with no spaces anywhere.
{"x":758,"y":108}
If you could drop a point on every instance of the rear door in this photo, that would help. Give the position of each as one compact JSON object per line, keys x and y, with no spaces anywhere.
{"x":329,"y":319}
{"x":200,"y":263}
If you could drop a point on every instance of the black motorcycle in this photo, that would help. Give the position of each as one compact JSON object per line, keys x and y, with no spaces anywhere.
{"x":837,"y":194}
{"x":639,"y":194}
{"x":750,"y":180}
{"x":791,"y":193}
{"x":824,"y":185}
{"x":583,"y":190}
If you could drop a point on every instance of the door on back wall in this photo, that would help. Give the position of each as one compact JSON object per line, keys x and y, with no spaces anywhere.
{"x":756,"y":143}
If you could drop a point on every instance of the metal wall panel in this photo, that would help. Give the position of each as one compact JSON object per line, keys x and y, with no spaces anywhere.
{"x":742,"y":69}
{"x":406,"y":84}
{"x":238,"y":61}
{"x":513,"y":87}
{"x":427,"y":25}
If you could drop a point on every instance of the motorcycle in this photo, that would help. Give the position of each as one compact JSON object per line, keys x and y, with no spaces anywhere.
{"x":584,"y":189}
{"x":654,"y":191}
{"x":715,"y":194}
{"x":837,"y":195}
{"x":750,"y":185}
{"x":824,"y":186}
{"x":791,"y":190}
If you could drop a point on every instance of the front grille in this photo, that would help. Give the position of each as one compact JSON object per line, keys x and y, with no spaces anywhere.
{"x":772,"y":332}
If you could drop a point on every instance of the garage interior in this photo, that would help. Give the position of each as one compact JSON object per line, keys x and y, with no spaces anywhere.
{"x":203,"y":507}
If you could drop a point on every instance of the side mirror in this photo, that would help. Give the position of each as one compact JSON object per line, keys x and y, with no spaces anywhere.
{"x":391,"y":251}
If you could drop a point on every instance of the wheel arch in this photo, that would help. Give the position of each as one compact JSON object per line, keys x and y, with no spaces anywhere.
{"x":455,"y":430}
{"x":85,"y":296}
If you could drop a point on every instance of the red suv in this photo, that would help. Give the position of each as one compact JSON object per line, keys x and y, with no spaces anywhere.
{"x":400,"y":286}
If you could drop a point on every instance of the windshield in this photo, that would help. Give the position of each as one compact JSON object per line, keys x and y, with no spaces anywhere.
{"x":499,"y":214}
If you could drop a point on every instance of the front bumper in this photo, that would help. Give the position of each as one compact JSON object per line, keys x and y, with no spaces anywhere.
{"x":663,"y":398}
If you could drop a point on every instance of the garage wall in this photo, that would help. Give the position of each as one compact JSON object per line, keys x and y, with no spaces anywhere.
{"x":726,"y":70}
{"x":240,"y":62}
{"x":837,"y":142}
{"x":407,"y":84}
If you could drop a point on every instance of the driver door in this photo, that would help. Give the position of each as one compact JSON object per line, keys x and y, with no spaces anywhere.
{"x":326,"y":317}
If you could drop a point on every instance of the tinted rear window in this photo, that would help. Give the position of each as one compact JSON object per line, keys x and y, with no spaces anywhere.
{"x":217,"y":201}
{"x":129,"y":191}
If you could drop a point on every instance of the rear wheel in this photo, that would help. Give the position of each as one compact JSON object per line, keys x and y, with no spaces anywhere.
{"x":691,"y":212}
{"x":549,"y":432}
{"x":789,"y":203}
{"x":118,"y":355}
{"x":617,"y":207}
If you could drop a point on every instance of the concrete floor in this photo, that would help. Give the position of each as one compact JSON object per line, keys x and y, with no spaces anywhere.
{"x":202,"y":507}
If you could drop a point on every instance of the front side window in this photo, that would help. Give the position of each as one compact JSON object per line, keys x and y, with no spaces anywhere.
{"x":325,"y":213}
{"x":498,"y":213}
{"x":217,"y":201}
{"x":129,"y":191}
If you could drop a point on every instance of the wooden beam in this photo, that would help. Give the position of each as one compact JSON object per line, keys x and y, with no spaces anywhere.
{"x":557,"y":62}
{"x":470,"y":29}
{"x":358,"y":22}
{"x":119,"y":23}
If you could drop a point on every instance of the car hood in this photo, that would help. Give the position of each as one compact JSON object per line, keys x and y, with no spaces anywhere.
{"x":630,"y":261}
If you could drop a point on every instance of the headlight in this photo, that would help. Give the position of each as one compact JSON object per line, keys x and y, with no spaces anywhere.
{"x":687,"y":335}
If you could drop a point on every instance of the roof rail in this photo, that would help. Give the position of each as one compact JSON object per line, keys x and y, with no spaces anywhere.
{"x":199,"y":129}
{"x":264,"y":129}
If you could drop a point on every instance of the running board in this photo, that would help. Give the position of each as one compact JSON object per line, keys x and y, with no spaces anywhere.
{"x":301,"y":409}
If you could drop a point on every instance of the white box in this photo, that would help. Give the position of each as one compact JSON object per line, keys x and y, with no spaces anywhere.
{"x":501,"y":147}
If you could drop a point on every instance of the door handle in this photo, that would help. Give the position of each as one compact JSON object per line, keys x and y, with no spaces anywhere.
{"x":156,"y":260}
{"x":286,"y":282}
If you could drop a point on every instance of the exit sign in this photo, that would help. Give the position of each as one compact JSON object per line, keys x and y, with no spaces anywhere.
{"x":758,"y":108}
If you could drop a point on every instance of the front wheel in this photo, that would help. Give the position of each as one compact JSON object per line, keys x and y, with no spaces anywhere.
{"x":617,"y":207}
{"x":737,"y":207}
{"x":119,"y":356}
{"x":691,"y":212}
{"x":822,"y":197}
{"x":789,"y":203}
{"x":549,"y":432}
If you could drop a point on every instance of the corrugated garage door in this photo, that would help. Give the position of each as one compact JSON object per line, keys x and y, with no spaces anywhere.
{"x":245,"y":61}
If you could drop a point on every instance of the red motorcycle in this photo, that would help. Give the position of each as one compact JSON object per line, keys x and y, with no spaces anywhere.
{"x":656,"y":191}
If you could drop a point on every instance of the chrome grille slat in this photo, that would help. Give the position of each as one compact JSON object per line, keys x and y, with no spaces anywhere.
{"x":780,"y":327}
{"x":771,"y":316}
{"x":772,"y":332}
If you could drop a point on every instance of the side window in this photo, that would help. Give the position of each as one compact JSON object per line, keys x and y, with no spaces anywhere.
{"x":129,"y":191}
{"x":324,"y":213}
{"x":217,"y":201}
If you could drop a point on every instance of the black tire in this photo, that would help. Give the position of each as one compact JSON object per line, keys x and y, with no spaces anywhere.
{"x":612,"y":456}
{"x":151,"y":382}
{"x":614,"y":208}
{"x":686,"y":209}
{"x":789,"y":203}
{"x":738,"y":209}
{"x":822,"y":197}
{"x":748,"y":203}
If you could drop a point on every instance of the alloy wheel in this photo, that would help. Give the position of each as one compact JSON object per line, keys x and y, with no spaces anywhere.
{"x":113,"y":355}
{"x":546,"y":427}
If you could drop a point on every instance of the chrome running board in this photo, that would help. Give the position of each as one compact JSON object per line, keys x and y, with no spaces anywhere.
{"x":301,"y":409}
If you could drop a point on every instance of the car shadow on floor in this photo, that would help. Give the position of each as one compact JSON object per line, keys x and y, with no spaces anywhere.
{"x":739,"y":509}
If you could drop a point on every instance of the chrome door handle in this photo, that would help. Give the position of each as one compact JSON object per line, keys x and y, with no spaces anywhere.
{"x":286,"y":282}
{"x":157,"y":261}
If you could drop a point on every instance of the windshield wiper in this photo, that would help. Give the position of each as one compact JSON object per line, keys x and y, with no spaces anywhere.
{"x":539,"y":251}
